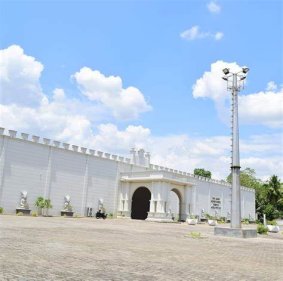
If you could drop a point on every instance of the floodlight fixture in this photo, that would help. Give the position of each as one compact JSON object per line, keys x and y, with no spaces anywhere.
{"x":245,"y":69}
{"x":243,"y":78}
{"x":225,"y":78}
{"x":226,"y":71}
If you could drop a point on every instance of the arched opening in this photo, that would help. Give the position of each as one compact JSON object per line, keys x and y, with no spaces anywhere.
{"x":174,"y":206}
{"x":140,"y":203}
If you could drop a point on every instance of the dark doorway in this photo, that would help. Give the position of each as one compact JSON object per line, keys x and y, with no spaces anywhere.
{"x":140,"y":203}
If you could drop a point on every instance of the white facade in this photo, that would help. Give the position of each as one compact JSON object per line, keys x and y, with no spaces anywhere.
{"x":53,"y":170}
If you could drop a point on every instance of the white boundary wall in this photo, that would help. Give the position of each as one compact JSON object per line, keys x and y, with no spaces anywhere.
{"x":53,"y":170}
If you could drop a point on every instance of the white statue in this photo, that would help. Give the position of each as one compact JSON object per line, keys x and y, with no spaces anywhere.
{"x":23,"y":201}
{"x":100,"y":205}
{"x":67,"y":203}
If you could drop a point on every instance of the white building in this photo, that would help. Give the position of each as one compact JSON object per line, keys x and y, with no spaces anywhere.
{"x":127,"y":187}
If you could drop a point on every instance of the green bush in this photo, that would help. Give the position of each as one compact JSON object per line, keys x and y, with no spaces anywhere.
{"x":20,"y":214}
{"x":261,"y":229}
{"x":221,"y":220}
{"x":245,"y":221}
{"x":1,"y":210}
{"x":271,"y":222}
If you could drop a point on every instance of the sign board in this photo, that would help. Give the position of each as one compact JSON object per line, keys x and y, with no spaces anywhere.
{"x":215,"y":203}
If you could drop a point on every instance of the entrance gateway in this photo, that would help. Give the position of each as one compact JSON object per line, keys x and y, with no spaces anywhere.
{"x":148,"y":195}
{"x":140,"y":203}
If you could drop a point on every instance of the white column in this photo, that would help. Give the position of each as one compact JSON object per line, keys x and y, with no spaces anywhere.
{"x":2,"y":166}
{"x":47,"y":186}
{"x":85,"y":186}
{"x":194,"y":200}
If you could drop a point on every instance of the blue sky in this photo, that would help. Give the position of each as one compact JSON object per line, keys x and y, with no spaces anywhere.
{"x":141,"y":42}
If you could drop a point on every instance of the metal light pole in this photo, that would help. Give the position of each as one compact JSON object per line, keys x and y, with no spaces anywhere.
{"x":235,"y":84}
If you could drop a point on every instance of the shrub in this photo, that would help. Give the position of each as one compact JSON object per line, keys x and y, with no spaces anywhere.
{"x":221,"y":220}
{"x":261,"y":229}
{"x":1,"y":210}
{"x":195,"y":235}
{"x":271,"y":222}
{"x":34,"y":214}
{"x":20,"y":214}
{"x":245,"y":221}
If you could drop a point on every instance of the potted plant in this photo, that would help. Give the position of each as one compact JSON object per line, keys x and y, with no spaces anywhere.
{"x":212,"y":221}
{"x":272,"y":226}
{"x":192,"y":220}
{"x":47,"y":206}
{"x":39,"y":203}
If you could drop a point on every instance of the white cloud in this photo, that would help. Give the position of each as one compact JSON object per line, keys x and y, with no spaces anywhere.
{"x":213,"y":7}
{"x":218,"y":35}
{"x":19,"y":77}
{"x":125,"y":103}
{"x":195,"y":33}
{"x":265,"y":108}
{"x":271,"y":86}
{"x":80,"y":122}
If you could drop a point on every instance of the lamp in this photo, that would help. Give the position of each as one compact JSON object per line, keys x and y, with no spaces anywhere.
{"x":226,"y":71}
{"x":245,"y":69}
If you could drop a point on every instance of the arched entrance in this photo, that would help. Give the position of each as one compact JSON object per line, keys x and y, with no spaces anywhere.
{"x":140,"y":203}
{"x":175,"y":204}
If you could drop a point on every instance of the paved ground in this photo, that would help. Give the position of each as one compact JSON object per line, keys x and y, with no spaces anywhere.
{"x":89,"y":249}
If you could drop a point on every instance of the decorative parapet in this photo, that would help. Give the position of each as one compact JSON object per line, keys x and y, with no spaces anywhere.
{"x":24,"y":136}
{"x":107,"y":155}
{"x":46,"y":141}
{"x":12,"y":133}
{"x":35,"y":139}
{"x":66,"y":145}
{"x":56,"y":143}
{"x":75,"y":148}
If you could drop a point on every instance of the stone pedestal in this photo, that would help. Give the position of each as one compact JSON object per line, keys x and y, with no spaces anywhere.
{"x":123,"y":215}
{"x":26,"y":212}
{"x":67,"y":213}
{"x":159,"y":217}
{"x":235,"y":232}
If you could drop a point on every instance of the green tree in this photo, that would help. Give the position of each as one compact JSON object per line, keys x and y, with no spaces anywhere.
{"x":202,"y":172}
{"x":269,"y":199}
{"x":274,"y":192}
{"x":47,"y":205}
{"x":247,"y":178}
{"x":43,"y":204}
{"x":39,"y":203}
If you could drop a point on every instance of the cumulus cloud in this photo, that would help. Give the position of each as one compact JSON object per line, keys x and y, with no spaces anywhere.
{"x":263,"y":108}
{"x":194,"y":33}
{"x":125,"y":103}
{"x":19,"y":77}
{"x":82,"y":122}
{"x":213,"y":7}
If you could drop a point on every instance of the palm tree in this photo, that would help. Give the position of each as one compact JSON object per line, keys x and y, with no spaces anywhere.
{"x":274,"y":194}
